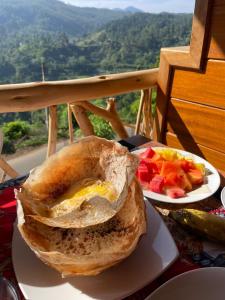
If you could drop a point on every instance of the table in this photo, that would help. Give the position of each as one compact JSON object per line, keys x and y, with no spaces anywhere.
{"x":192,"y":252}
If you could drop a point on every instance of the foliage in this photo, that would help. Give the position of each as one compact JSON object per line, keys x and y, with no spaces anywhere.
{"x":31,"y":16}
{"x":32,"y":142}
{"x":72,"y":42}
{"x":130,"y":43}
{"x":15,"y":130}
{"x":128,"y":107}
{"x":8,"y":146}
{"x":102,"y":127}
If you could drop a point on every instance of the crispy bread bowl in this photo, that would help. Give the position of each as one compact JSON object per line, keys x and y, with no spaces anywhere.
{"x":92,"y":234}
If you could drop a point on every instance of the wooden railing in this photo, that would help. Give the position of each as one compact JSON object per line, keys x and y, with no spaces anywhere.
{"x":77,"y":94}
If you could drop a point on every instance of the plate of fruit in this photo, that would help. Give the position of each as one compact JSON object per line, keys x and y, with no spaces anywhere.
{"x":175,"y":176}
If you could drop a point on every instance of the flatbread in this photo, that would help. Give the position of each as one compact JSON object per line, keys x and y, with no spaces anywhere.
{"x":90,"y":157}
{"x":90,"y":250}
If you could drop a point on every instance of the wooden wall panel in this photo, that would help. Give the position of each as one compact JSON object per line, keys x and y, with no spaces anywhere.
{"x":216,"y":158}
{"x":217,"y":36}
{"x":200,"y":124}
{"x":206,"y":88}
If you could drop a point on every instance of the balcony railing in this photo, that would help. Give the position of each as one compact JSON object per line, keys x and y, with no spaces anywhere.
{"x":77,"y":94}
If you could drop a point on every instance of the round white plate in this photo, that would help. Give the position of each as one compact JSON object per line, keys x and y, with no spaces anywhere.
{"x":200,"y":284}
{"x":154,"y":254}
{"x":208,"y":188}
{"x":223,"y":197}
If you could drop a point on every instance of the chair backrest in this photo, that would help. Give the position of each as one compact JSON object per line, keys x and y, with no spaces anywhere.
{"x":191,"y":96}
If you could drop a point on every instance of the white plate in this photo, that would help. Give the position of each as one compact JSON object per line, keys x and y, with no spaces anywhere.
{"x":200,"y":284}
{"x":223,"y":197}
{"x":154,"y":254}
{"x":210,"y":186}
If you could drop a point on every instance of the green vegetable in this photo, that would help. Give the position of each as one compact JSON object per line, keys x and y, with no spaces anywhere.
{"x":203,"y":223}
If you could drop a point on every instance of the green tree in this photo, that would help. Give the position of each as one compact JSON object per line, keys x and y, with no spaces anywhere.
{"x":16,"y":130}
{"x":102,"y":127}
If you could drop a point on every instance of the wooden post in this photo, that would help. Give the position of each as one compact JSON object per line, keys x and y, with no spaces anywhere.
{"x":147,"y":114}
{"x":150,"y":112}
{"x":70,"y":123}
{"x":82,"y":120}
{"x":52,"y":130}
{"x":114,"y":119}
{"x":139,"y":114}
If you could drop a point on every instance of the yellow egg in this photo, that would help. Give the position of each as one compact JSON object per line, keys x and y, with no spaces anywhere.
{"x":81,"y":192}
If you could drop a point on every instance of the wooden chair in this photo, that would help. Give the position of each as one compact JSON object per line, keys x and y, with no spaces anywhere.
{"x":191,"y":93}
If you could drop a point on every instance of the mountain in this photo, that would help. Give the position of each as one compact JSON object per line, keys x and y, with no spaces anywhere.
{"x":133,"y":9}
{"x":70,"y":42}
{"x":134,"y":42}
{"x":31,"y":16}
{"x":127,"y":44}
{"x":130,"y":9}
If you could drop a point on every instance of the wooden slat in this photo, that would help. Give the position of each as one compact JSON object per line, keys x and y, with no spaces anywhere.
{"x":52,"y":130}
{"x":217,"y":3}
{"x":83,"y":121}
{"x":147,"y":118}
{"x":70,"y":123}
{"x":3,"y":176}
{"x":217,"y":36}
{"x":7,"y":168}
{"x":110,"y":114}
{"x":198,"y":123}
{"x":32,"y":96}
{"x":206,"y":88}
{"x":216,"y":158}
{"x":139,"y":114}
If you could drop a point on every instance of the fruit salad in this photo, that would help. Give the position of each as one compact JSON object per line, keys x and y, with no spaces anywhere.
{"x":165,"y":171}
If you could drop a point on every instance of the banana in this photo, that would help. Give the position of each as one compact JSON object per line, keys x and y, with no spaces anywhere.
{"x":203,"y":223}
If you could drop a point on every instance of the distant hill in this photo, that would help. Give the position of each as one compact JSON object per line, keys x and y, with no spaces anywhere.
{"x":134,"y":42}
{"x":130,"y":9}
{"x":130,"y":43}
{"x":29,"y":16}
{"x":71,"y":42}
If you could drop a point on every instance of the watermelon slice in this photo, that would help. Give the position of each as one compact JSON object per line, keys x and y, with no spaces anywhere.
{"x":156,"y":184}
{"x":143,"y":174}
{"x":152,"y":166}
{"x":168,"y":172}
{"x":175,"y":192}
{"x":148,"y":153}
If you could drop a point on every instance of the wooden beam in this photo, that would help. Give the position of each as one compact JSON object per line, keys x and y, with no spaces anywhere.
{"x":52,"y":130}
{"x":32,"y":96}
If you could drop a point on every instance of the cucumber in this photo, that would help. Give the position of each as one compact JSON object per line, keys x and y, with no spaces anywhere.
{"x":203,"y":223}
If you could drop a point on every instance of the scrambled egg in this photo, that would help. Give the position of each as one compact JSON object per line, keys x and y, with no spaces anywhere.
{"x":78,"y":193}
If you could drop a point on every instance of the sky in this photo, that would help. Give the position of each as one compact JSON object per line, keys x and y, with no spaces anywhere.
{"x":154,"y":6}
